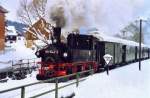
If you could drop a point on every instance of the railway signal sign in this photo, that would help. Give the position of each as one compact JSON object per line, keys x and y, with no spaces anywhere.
{"x":107,"y":58}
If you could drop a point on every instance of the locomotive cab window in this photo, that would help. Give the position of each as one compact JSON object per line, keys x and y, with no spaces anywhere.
{"x":80,"y":41}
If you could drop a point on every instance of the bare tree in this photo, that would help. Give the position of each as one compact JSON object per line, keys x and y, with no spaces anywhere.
{"x":30,"y":12}
{"x":134,"y":30}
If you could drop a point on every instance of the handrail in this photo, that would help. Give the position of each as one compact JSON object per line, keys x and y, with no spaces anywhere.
{"x":49,"y":80}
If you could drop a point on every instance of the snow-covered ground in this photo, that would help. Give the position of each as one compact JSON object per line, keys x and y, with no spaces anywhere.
{"x":35,"y":89}
{"x":15,"y":52}
{"x":124,"y":82}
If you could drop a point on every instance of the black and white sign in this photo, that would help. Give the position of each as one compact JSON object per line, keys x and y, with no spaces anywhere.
{"x":107,"y":58}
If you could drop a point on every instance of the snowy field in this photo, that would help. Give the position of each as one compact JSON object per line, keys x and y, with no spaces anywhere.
{"x":14,"y":52}
{"x":124,"y":82}
{"x":35,"y":89}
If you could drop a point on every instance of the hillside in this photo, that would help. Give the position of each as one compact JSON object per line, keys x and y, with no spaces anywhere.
{"x":19,"y":26}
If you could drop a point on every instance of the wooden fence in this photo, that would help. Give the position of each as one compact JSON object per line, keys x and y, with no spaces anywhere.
{"x":76,"y":75}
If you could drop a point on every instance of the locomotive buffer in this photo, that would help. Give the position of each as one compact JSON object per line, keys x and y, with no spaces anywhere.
{"x":107,"y":58}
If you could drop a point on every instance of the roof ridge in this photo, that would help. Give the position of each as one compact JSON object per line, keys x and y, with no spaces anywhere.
{"x":3,"y":10}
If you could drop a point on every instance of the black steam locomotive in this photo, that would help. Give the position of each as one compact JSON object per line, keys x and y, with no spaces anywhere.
{"x":83,"y":52}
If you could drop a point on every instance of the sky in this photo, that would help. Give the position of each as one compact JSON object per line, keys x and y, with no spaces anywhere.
{"x":108,"y":15}
{"x":12,"y":7}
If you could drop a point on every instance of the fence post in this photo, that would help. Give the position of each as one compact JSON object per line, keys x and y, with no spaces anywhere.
{"x":56,"y":88}
{"x":23,"y":92}
{"x":92,"y":71}
{"x":77,"y":78}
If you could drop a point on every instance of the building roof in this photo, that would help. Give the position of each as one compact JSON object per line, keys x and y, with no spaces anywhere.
{"x":11,"y":31}
{"x":40,"y":25}
{"x":3,"y":10}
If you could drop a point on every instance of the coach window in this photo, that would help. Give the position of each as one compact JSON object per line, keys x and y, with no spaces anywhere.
{"x":109,"y":49}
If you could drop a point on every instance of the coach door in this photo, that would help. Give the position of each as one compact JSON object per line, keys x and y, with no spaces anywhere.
{"x":100,"y":52}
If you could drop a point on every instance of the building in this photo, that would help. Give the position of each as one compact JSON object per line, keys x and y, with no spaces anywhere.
{"x":2,"y":27}
{"x":11,"y":34}
{"x":41,"y":27}
{"x":44,"y":29}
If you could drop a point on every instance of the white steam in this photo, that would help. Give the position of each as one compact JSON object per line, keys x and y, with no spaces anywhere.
{"x":107,"y":15}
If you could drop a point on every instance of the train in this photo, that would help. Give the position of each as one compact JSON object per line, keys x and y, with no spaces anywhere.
{"x":81,"y":52}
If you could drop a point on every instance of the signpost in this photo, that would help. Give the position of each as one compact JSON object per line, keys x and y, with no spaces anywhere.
{"x":107,"y":58}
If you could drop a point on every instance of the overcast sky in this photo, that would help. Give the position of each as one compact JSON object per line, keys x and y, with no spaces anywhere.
{"x":108,"y":15}
{"x":12,"y":6}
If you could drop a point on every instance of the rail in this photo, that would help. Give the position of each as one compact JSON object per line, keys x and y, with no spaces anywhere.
{"x":76,"y":75}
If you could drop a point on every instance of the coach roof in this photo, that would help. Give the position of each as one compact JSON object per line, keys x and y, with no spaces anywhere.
{"x":106,"y":38}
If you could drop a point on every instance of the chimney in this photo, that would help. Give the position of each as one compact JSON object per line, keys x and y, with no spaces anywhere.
{"x":57,"y":34}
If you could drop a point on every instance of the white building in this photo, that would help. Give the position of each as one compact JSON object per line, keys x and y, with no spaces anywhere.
{"x":11,"y":34}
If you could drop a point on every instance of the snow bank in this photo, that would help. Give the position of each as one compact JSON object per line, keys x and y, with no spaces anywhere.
{"x":16,"y":52}
{"x":125,"y":82}
{"x":35,"y":89}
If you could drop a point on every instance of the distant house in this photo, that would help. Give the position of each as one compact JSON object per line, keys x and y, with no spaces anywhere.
{"x":41,"y":26}
{"x":2,"y":27}
{"x":11,"y":34}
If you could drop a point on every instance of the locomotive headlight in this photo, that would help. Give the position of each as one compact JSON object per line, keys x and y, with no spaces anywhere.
{"x":65,"y":54}
{"x":46,"y":68}
{"x":55,"y":40}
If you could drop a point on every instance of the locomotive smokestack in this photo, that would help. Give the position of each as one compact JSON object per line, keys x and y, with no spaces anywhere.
{"x":57,"y":34}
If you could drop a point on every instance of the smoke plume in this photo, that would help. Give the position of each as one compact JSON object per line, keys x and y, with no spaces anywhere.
{"x":57,"y":15}
{"x":107,"y":15}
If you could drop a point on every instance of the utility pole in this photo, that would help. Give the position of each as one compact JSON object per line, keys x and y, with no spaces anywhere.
{"x":140,"y":41}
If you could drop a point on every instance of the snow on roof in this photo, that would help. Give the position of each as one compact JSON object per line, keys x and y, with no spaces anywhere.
{"x":3,"y":10}
{"x":104,"y":37}
{"x":16,"y":52}
{"x":11,"y":31}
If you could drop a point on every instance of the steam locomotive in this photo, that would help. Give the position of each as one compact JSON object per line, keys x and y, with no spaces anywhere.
{"x":83,"y":52}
